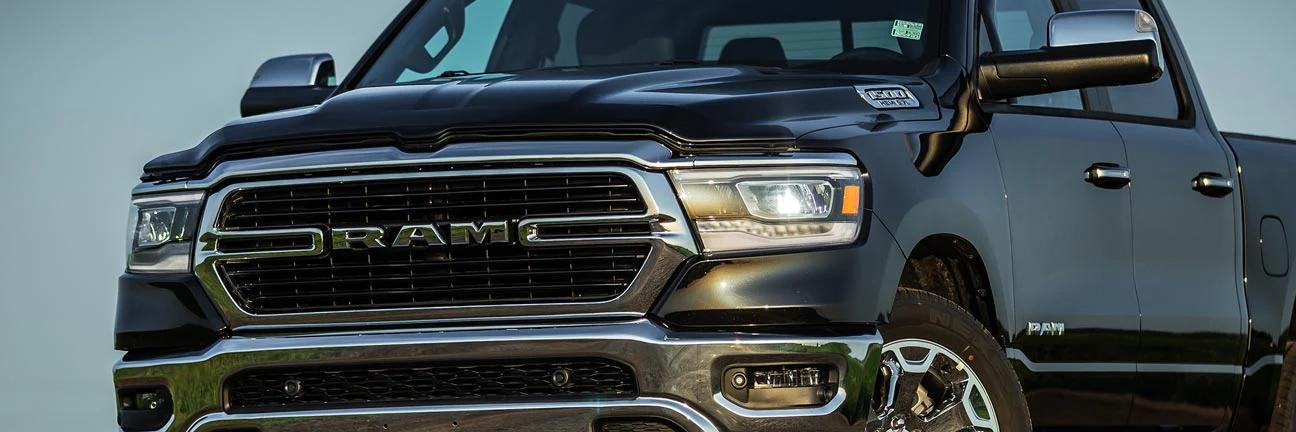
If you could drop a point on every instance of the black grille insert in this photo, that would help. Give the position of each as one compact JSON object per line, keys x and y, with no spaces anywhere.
{"x":431,"y":277}
{"x":430,"y":200}
{"x":343,"y":387}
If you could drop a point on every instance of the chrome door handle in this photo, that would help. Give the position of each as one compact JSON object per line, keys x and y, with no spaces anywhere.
{"x":1108,"y":176}
{"x":1213,"y":185}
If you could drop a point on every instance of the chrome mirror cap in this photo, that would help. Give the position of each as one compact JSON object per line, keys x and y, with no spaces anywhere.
{"x":1102,"y":26}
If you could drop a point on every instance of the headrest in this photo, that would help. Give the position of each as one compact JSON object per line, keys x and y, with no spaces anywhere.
{"x":757,"y":51}
{"x":607,"y":37}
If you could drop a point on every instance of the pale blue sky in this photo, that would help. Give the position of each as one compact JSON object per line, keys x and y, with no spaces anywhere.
{"x":90,"y":90}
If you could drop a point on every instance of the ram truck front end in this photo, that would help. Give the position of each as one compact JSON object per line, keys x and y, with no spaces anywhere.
{"x":570,"y":284}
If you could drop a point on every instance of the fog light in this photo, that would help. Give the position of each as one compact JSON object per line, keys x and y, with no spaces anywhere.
{"x":781,"y":386}
{"x":739,"y":380}
{"x":150,"y":400}
{"x":143,"y":408}
{"x":788,"y":378}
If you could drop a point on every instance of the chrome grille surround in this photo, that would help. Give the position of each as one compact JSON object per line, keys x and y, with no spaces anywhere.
{"x":379,"y":273}
{"x":671,"y":242}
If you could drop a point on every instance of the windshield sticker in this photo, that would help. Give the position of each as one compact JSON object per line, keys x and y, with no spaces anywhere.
{"x":907,"y":29}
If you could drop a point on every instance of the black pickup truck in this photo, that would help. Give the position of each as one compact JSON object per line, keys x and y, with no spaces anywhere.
{"x":706,"y":215}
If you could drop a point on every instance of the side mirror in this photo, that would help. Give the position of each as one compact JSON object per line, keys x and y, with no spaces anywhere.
{"x":290,"y":82}
{"x":1086,"y":49}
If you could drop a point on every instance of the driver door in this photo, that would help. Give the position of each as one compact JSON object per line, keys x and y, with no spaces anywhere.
{"x":1071,"y":243}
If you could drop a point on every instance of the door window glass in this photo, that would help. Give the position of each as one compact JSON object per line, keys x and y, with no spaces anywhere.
{"x":1023,"y":25}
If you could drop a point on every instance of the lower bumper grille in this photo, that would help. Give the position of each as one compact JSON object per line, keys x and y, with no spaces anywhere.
{"x":637,"y":425}
{"x":539,"y":380}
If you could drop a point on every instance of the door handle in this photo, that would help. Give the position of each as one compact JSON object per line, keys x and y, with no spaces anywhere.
{"x":1108,"y":176}
{"x":1213,"y":185}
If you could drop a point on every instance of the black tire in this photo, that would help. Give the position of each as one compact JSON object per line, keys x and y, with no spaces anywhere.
{"x":928,"y":317}
{"x":1284,"y":411}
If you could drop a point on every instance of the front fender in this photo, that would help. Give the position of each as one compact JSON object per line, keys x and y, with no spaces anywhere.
{"x":853,"y":285}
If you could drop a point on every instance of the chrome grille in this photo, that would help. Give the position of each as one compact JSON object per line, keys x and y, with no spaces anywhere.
{"x":642,"y":228}
{"x":432,"y":276}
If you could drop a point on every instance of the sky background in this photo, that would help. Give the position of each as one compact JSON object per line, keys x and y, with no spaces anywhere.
{"x":91,"y":90}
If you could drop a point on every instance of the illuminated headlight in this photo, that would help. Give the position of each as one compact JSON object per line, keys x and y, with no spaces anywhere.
{"x":738,"y":210}
{"x":161,"y":232}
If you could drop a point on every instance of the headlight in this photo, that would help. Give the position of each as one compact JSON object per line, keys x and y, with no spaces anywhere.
{"x":756,"y":209}
{"x":161,"y":232}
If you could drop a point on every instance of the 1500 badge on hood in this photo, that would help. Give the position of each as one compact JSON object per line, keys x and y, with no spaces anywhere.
{"x":888,"y":97}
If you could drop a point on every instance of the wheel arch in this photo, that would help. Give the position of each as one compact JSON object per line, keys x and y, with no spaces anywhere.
{"x":950,"y":266}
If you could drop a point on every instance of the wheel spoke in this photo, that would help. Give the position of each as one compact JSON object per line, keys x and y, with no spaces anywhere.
{"x":976,"y":407}
{"x":915,"y":360}
{"x":935,"y":391}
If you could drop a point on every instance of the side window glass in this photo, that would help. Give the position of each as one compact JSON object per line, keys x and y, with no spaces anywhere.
{"x":1023,"y":25}
{"x":1157,"y":99}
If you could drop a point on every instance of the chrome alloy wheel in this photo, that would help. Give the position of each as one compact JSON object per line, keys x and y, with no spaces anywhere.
{"x":928,"y":388}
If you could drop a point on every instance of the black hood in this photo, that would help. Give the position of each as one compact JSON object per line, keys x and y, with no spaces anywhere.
{"x":695,"y":108}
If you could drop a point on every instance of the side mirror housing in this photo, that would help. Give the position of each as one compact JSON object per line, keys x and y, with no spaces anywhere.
{"x":1086,"y":49}
{"x":290,"y":82}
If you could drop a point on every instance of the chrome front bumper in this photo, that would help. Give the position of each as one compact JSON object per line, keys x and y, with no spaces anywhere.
{"x":677,"y":375}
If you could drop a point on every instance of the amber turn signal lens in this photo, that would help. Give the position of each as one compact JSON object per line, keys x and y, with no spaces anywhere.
{"x":851,"y":201}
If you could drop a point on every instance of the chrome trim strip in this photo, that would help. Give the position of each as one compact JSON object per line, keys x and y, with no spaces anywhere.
{"x":1213,"y":369}
{"x":672,"y":242}
{"x":640,"y":331}
{"x":208,"y":240}
{"x":643,"y":153}
{"x":1263,"y":362}
{"x":698,"y":420}
{"x":1221,"y":369}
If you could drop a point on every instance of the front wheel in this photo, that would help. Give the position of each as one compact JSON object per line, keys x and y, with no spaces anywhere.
{"x":942,"y":372}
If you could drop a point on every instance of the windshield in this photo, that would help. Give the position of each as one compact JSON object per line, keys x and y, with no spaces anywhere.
{"x":459,"y":37}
